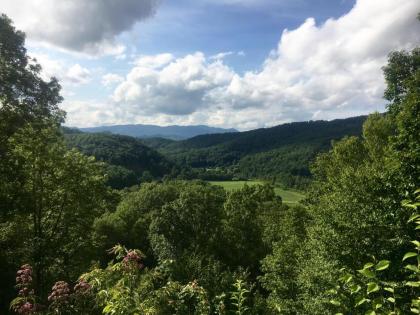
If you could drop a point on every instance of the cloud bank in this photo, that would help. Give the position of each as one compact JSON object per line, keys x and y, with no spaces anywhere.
{"x":68,"y":75}
{"x":316,"y":72}
{"x":162,"y":84}
{"x":88,"y":26}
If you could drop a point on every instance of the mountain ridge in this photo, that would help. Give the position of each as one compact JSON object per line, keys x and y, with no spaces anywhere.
{"x":282,"y":153}
{"x":174,"y":132}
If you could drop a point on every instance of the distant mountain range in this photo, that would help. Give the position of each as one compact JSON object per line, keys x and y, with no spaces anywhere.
{"x":152,"y":131}
{"x":282,"y":153}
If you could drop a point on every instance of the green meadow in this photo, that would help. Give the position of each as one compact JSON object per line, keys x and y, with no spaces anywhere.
{"x":288,"y":196}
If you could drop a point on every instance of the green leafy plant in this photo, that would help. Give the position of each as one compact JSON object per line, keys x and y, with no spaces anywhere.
{"x":364,"y":291}
{"x":239,"y":297}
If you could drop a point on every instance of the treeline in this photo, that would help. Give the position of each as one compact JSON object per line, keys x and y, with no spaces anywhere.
{"x":72,"y":245}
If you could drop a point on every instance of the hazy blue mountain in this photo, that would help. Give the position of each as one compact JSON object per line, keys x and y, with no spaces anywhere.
{"x":152,"y":131}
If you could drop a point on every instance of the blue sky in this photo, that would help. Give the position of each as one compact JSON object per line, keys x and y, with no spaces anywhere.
{"x":185,"y":26}
{"x":229,"y":63}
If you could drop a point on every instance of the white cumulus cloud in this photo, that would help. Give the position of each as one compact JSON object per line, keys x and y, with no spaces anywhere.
{"x":78,"y":25}
{"x":221,"y":55}
{"x":317,"y":71}
{"x":67,"y":74}
{"x":178,"y":87}
{"x":77,"y":74}
{"x":333,"y":69}
{"x":155,"y":61}
{"x":110,"y":79}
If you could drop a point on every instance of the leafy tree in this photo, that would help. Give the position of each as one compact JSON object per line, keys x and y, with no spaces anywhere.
{"x":209,"y":235}
{"x":24,"y":96}
{"x":119,"y":177}
{"x":373,"y":290}
{"x":129,"y":223}
{"x":58,"y":195}
{"x":286,"y":231}
{"x":354,"y":211}
{"x":189,"y":224}
{"x":401,"y":74}
{"x":25,"y":99}
{"x":245,"y":210}
{"x":359,"y":186}
{"x":407,"y":121}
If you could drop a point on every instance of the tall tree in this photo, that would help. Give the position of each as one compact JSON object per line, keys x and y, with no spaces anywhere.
{"x":24,"y":95}
{"x":60,"y":194}
{"x":360,"y":184}
{"x":49,"y":196}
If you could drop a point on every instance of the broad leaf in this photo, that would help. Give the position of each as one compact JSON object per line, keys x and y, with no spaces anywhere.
{"x":372,"y":287}
{"x":382,"y":265}
{"x":367,"y":273}
{"x":409,"y":255}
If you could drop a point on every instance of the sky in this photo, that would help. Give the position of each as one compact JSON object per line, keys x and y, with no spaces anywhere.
{"x":239,"y":64}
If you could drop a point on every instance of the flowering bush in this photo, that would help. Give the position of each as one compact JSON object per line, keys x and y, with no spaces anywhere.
{"x":126,"y":287}
{"x":25,"y":303}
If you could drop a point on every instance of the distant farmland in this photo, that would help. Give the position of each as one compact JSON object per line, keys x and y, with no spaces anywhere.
{"x":288,"y":196}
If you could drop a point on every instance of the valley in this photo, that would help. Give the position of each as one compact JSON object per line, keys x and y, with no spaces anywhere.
{"x":220,"y":176}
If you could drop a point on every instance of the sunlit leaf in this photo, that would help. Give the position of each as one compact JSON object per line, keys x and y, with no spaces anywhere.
{"x":382,"y":265}
{"x":412,"y":268}
{"x":367,"y":273}
{"x":389,"y":289}
{"x":414,"y":217}
{"x":335,"y":302}
{"x":361,"y":300}
{"x":372,"y":287}
{"x":413,"y":284}
{"x":417,"y":243}
{"x":409,"y":255}
{"x":368,"y":265}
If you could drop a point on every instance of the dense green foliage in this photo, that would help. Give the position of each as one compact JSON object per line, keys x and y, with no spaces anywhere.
{"x":355,"y":203}
{"x":129,"y":161}
{"x":195,"y":247}
{"x":288,"y":165}
{"x":373,"y":289}
{"x":203,"y":230}
{"x":49,"y":196}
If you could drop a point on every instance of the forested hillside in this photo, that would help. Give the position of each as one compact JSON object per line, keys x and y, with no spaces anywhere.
{"x":128,"y":160}
{"x":282,"y":153}
{"x":70,"y":244}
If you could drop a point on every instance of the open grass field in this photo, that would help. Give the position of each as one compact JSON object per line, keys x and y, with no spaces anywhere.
{"x":288,"y":196}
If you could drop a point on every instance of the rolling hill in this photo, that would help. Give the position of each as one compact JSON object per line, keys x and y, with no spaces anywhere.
{"x":128,"y":160}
